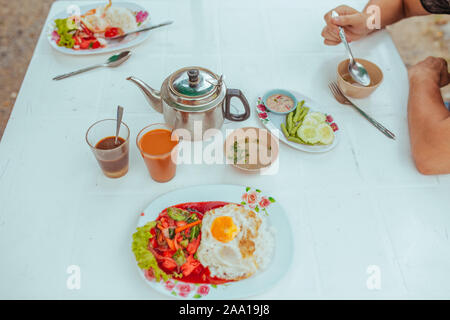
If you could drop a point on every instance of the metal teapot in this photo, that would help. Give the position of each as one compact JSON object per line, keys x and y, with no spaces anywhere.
{"x":194,"y":95}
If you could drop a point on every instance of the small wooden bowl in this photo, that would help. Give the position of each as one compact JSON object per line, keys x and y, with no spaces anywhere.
{"x":353,"y":89}
{"x":260,"y":144}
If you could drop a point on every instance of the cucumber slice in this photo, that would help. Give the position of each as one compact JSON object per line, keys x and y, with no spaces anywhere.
{"x":308,"y":121}
{"x":308,"y":134}
{"x":318,"y":116}
{"x":326,"y":133}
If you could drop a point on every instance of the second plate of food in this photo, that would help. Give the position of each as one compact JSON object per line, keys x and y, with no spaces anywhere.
{"x":85,"y":30}
{"x":213,"y":242}
{"x":307,"y":126}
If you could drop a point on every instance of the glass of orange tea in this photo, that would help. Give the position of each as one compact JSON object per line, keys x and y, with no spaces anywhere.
{"x":111,"y":156}
{"x":158,"y":145}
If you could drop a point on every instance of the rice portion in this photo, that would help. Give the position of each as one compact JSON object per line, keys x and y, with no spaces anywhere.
{"x":123,"y":18}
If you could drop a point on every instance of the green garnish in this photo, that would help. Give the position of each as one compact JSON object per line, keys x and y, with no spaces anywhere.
{"x":64,"y":27}
{"x":144,"y":257}
{"x":177,"y":214}
{"x":179,"y":257}
{"x":195,"y":231}
{"x":171,"y":233}
{"x":192,"y":218}
{"x":184,"y":243}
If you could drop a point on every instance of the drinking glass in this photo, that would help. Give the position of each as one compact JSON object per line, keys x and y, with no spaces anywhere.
{"x":162,"y":167}
{"x":113,"y":161}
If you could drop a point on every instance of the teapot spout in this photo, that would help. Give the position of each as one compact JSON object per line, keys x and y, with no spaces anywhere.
{"x":153,"y":96}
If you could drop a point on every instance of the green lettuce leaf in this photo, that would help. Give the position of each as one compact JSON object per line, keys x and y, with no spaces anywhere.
{"x":144,"y":257}
{"x":63,"y":27}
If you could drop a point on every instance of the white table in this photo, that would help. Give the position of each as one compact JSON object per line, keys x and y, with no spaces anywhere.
{"x":360,"y":205}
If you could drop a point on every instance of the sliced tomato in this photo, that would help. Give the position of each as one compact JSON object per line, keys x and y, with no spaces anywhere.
{"x":112,"y":32}
{"x":168,"y":253}
{"x":190,"y":265}
{"x":193,"y":245}
{"x":95,"y":44}
{"x":84,"y":44}
{"x":169,"y":263}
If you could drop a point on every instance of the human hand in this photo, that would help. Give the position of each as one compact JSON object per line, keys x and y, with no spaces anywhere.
{"x":431,"y":68}
{"x":353,"y":22}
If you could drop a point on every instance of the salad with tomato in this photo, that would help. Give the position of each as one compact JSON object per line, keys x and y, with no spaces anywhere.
{"x":92,"y":29}
{"x":167,"y":247}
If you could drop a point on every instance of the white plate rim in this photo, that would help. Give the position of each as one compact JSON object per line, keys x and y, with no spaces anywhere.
{"x":314,"y":106}
{"x":130,"y":43}
{"x":239,"y":289}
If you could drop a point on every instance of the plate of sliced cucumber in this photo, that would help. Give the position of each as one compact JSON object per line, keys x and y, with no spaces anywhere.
{"x":307,"y":127}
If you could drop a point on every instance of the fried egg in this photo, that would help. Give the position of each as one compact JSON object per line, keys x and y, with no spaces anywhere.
{"x":235,"y":242}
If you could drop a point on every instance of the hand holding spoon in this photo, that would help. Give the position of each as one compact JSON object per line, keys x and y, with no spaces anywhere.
{"x":119,"y":121}
{"x":355,"y":69}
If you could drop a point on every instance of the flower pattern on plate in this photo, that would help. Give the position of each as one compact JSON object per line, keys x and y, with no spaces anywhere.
{"x":255,"y":200}
{"x":262,"y":111}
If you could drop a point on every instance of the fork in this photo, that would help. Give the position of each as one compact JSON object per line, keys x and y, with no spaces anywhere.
{"x":341,"y":98}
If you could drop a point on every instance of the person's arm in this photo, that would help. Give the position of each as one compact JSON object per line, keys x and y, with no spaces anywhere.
{"x":355,"y":22}
{"x":428,"y":118}
{"x":393,"y":11}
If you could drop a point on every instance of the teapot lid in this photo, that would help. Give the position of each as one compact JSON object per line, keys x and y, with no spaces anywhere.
{"x":194,"y":85}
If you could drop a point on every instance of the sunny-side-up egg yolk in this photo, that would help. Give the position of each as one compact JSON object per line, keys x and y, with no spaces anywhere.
{"x":223,"y":229}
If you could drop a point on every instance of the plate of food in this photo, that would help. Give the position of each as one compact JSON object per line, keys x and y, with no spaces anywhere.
{"x":251,"y":149}
{"x":302,"y":124}
{"x":89,"y":29}
{"x":213,"y":242}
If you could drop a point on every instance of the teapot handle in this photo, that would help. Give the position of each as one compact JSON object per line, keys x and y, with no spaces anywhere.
{"x":227,"y":112}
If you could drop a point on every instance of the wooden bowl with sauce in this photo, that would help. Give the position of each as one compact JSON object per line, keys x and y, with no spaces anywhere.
{"x":349,"y":86}
{"x":251,"y":149}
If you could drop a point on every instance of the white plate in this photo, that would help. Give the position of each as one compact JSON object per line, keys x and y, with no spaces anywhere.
{"x":273,"y":122}
{"x":256,"y":284}
{"x":127,"y":42}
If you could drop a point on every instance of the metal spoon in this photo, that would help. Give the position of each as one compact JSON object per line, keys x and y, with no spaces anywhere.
{"x":355,"y":69}
{"x":112,"y":62}
{"x":119,"y":121}
{"x":140,"y":30}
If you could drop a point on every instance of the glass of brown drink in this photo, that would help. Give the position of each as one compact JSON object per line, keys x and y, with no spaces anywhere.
{"x":112,"y":157}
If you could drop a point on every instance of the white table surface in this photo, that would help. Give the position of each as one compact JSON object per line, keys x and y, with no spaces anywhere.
{"x":359,"y":205}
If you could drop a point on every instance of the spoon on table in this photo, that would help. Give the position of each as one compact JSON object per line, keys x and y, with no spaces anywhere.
{"x":119,"y":121}
{"x":355,"y":69}
{"x":113,"y":61}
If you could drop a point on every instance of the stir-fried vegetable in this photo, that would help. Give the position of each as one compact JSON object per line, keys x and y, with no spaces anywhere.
{"x":179,"y":257}
{"x":178,"y":214}
{"x":144,"y":257}
{"x":174,"y":239}
{"x":195,"y":231}
{"x":189,"y":225}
